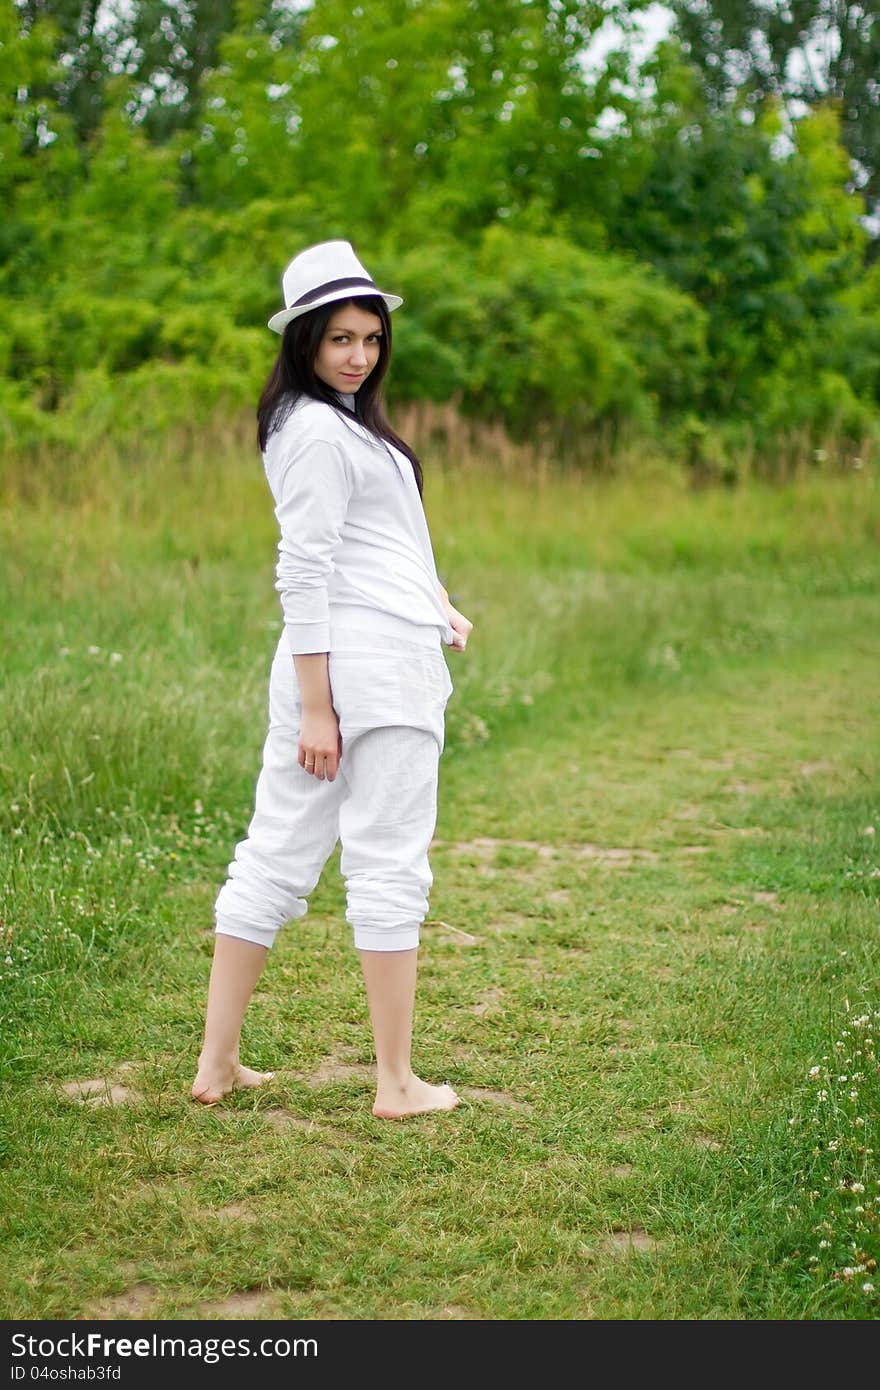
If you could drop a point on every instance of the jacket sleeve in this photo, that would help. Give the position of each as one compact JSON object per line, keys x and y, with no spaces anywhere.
{"x":312,"y":484}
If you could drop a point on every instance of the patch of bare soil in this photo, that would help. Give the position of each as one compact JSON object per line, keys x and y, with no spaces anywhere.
{"x":510,"y":922}
{"x":497,"y":1097}
{"x":136,"y":1302}
{"x":621,"y":1170}
{"x":333,"y":1069}
{"x":252,"y":1303}
{"x":281,"y":1119}
{"x":624,"y":1242}
{"x":488,"y":1002}
{"x":707,"y":1141}
{"x":482,"y":848}
{"x":340,"y":1065}
{"x":100,"y":1090}
{"x":284,"y":1119}
{"x":236,"y":1211}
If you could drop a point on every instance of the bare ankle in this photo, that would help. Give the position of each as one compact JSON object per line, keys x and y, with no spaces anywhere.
{"x":211,"y":1060}
{"x":392,"y":1079}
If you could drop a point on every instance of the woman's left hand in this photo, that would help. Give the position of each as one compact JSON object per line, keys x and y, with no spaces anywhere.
{"x":461,"y":626}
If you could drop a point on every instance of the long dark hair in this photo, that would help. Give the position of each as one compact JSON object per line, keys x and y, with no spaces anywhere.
{"x":293,"y":375}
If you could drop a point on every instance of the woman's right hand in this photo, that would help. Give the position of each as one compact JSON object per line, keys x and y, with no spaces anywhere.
{"x":320,"y":743}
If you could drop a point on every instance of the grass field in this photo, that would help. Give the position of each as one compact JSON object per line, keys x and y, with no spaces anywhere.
{"x":651,"y":966}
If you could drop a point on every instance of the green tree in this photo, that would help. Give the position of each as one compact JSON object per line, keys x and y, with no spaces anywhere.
{"x":164,"y":47}
{"x":798,"y":51}
{"x":764,"y":234}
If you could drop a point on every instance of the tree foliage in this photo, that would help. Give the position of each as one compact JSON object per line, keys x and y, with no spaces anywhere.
{"x":620,"y":250}
{"x":798,"y":52}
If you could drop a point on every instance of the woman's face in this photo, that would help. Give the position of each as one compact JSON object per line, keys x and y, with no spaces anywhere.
{"x":349,"y":349}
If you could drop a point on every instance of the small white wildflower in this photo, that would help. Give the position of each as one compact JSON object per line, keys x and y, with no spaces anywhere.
{"x":853,"y":1095}
{"x":94,"y":651}
{"x":867,"y":1288}
{"x":115,"y":658}
{"x":14,"y":806}
{"x":64,"y":651}
{"x":8,"y":960}
{"x":869,"y":830}
{"x":824,"y":1244}
{"x":847,"y":1272}
{"x":814,"y":1072}
{"x":821,"y":1095}
{"x":857,"y":1187}
{"x":833,"y":1146}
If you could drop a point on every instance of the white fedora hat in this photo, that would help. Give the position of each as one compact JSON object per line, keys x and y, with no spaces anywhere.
{"x":321,"y":274}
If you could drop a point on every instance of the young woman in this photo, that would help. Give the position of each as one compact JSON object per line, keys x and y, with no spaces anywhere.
{"x":358,"y":686}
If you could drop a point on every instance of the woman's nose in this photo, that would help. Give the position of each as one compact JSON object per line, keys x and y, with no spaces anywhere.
{"x":358,"y":355}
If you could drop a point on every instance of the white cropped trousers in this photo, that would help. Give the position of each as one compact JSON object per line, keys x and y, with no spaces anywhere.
{"x":390,"y":696}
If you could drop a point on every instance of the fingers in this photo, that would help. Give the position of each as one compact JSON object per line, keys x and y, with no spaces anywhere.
{"x":462,"y":628}
{"x":320,"y":764}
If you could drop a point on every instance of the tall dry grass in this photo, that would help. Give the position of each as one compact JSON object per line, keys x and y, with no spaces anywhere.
{"x":125,"y":463}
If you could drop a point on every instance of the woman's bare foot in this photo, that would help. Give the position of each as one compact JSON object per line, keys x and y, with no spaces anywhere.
{"x":213,"y":1083}
{"x":417,"y":1097}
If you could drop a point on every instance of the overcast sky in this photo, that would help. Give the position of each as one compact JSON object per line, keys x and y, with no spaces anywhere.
{"x":654,"y":24}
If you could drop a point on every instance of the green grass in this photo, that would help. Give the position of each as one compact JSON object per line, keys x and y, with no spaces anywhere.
{"x":655,"y":911}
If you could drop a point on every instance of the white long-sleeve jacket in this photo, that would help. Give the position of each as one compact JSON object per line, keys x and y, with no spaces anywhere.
{"x":355,"y":551}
